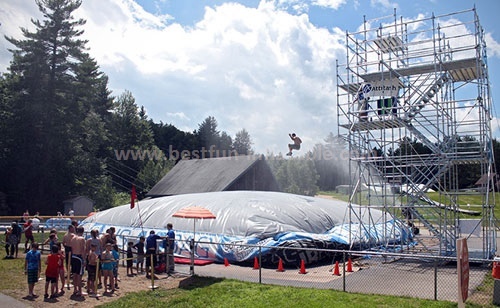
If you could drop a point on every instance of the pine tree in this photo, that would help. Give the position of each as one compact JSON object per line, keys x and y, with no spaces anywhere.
{"x":59,"y":115}
{"x":172,"y":141}
{"x":130,"y":132}
{"x":243,"y":143}
{"x":207,"y":133}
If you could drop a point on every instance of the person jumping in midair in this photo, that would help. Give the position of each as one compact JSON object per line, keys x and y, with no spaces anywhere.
{"x":295,"y":145}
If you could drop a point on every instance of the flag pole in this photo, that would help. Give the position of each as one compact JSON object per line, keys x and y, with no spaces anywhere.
{"x":133,"y":198}
{"x":140,"y":218}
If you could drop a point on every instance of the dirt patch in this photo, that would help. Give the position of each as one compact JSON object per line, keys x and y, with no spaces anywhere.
{"x":126,"y":285}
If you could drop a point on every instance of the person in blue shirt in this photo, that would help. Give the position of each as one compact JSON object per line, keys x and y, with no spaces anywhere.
{"x":151,"y":251}
{"x":32,"y":268}
{"x":170,"y":248}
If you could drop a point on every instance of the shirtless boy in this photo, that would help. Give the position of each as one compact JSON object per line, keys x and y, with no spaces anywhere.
{"x":295,"y":145}
{"x":66,"y":243}
{"x":77,"y":244}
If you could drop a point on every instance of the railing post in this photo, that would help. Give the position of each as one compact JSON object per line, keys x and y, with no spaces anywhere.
{"x":152,"y":272}
{"x":435,"y":279}
{"x":191,"y":266}
{"x":343,"y":271}
{"x":260,"y":264}
{"x":122,"y":252}
{"x":167,"y":257}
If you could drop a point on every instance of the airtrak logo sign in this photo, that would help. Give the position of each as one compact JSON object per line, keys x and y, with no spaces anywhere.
{"x":383,"y":88}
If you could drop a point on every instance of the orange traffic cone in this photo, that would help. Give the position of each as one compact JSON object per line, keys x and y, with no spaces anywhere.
{"x":336,"y":271}
{"x":349,"y":265}
{"x":280,"y":266}
{"x":302,"y":267}
{"x":255,"y":263}
{"x":226,"y":262}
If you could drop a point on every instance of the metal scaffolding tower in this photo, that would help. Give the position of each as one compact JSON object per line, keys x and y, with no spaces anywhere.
{"x":414,"y":105}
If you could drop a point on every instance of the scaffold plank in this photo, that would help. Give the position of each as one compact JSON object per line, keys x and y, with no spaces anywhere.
{"x":460,"y":70}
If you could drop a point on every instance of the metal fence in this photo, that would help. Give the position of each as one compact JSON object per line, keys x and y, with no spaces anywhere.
{"x":417,"y":276}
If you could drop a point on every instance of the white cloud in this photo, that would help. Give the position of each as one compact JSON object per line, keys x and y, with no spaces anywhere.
{"x":332,"y":4}
{"x":493,"y":47}
{"x":301,"y":6}
{"x":273,"y":70}
{"x":261,"y":69}
{"x":178,"y":115}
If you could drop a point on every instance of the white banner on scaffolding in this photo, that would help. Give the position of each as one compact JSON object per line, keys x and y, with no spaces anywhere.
{"x":381,"y":88}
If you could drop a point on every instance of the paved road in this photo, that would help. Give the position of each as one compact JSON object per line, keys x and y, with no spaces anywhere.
{"x":7,"y":301}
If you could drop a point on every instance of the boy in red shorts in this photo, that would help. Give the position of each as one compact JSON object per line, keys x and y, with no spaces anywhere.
{"x":52,"y":272}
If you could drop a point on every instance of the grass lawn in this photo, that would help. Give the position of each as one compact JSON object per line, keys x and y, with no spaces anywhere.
{"x":216,"y":292}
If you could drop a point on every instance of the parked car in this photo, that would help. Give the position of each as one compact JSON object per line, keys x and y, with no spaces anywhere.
{"x":57,"y":223}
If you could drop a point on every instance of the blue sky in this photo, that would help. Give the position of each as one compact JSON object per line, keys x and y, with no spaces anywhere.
{"x":266,"y":66}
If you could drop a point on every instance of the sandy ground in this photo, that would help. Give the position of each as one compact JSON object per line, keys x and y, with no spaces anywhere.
{"x":126,"y":285}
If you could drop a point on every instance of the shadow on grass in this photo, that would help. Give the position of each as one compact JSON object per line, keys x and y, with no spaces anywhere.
{"x":29,"y":298}
{"x":77,"y":298}
{"x":194,"y":282}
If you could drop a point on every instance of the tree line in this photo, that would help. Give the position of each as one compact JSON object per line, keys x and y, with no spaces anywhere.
{"x":62,"y":127}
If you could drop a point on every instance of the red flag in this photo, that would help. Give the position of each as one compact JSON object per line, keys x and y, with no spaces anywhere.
{"x":133,"y":196}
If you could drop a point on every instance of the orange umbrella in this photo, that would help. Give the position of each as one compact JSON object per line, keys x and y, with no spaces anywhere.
{"x":195,"y":212}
